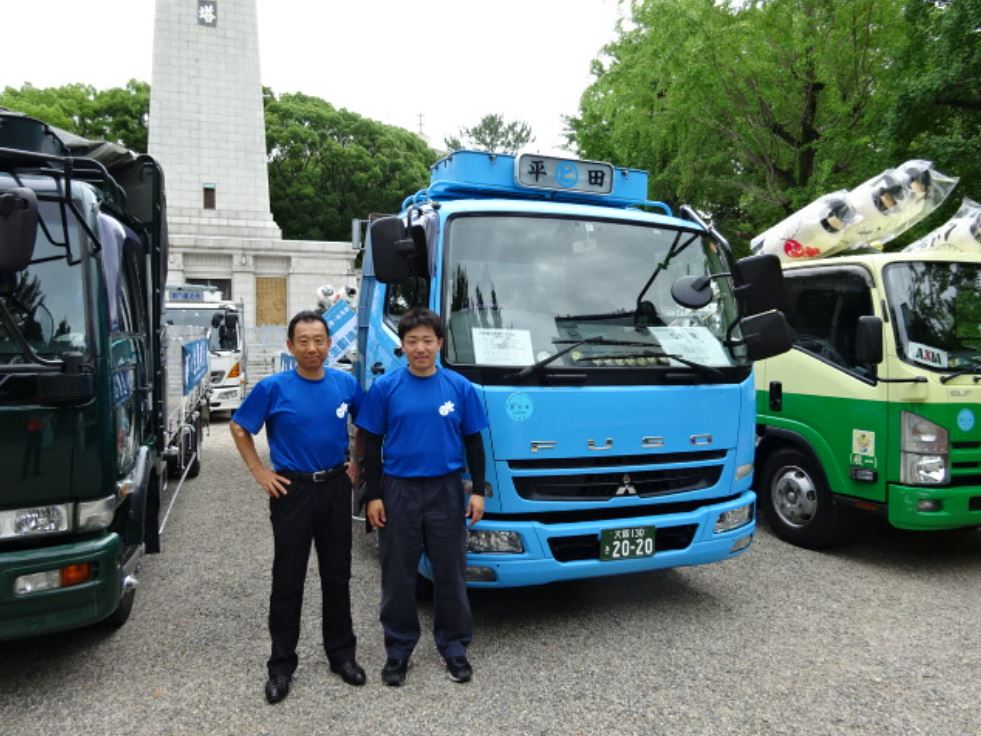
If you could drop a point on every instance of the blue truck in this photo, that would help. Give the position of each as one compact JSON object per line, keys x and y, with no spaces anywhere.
{"x":612,"y":345}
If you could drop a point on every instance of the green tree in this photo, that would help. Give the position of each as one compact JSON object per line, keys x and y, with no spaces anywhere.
{"x":492,"y":134}
{"x":120,"y":114}
{"x":747,"y":109}
{"x":328,"y":166}
{"x":936,"y":113}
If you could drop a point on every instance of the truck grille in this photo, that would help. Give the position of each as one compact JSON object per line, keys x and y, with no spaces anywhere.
{"x":601,"y":486}
{"x":217,"y":376}
{"x":586,"y":546}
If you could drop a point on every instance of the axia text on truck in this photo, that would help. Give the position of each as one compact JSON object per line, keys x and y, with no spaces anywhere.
{"x":99,"y":406}
{"x":877,"y":406}
{"x":612,"y":349}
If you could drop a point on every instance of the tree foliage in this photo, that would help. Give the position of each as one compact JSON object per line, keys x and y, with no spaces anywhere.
{"x":119,"y":114}
{"x":328,"y":166}
{"x":492,"y":134}
{"x":752,"y":109}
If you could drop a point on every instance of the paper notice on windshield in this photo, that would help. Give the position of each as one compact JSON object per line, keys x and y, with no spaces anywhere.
{"x":502,"y":347}
{"x":926,"y":355}
{"x":697,"y":344}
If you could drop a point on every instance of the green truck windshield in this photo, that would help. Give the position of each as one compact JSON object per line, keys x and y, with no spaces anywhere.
{"x":522,"y":288}
{"x":936,"y":308}
{"x":46,"y":300}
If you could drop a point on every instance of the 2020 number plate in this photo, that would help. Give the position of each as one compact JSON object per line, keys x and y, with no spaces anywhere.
{"x":624,"y":544}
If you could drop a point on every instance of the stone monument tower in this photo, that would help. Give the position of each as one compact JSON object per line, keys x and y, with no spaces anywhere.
{"x":207,"y":131}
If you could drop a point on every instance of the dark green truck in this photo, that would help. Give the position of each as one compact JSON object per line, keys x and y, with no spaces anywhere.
{"x":99,"y":407}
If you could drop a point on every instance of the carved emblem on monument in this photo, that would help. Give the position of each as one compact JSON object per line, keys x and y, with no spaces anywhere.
{"x":208,"y":13}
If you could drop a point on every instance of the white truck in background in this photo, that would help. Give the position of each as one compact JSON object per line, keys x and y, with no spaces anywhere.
{"x":203,"y":306}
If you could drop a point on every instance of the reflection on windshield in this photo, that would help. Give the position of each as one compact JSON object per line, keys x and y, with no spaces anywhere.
{"x":936,"y":310}
{"x":46,"y":300}
{"x":224,"y":331}
{"x":522,"y":287}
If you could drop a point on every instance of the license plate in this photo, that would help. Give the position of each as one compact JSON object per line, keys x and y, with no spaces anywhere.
{"x":625,"y":544}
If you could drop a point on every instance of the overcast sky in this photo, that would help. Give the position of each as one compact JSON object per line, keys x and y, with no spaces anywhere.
{"x":452,"y":61}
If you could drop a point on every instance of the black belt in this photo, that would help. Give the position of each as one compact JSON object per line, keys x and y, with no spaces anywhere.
{"x":319,"y":476}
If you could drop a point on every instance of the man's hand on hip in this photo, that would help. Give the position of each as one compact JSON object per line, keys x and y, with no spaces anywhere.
{"x":273,"y":484}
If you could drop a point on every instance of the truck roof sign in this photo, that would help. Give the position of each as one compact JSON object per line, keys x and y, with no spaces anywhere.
{"x":549,"y":172}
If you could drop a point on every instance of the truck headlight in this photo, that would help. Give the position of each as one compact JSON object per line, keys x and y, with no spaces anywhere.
{"x":729,"y":520}
{"x":479,"y":540}
{"x":925,"y":448}
{"x":36,"y":521}
{"x":96,"y":515}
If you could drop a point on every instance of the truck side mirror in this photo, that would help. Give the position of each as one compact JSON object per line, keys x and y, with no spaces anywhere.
{"x":693,"y":292}
{"x":766,"y":335}
{"x":18,"y":229}
{"x":393,"y":250}
{"x":759,"y":284}
{"x":868,"y":340}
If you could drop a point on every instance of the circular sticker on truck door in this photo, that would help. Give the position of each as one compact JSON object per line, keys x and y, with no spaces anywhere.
{"x":519,"y":407}
{"x":965,"y":420}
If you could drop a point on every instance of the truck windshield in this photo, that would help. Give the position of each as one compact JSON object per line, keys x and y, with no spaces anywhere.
{"x":224,"y":332}
{"x":936,"y":308}
{"x":520,"y":289}
{"x":47,"y":299}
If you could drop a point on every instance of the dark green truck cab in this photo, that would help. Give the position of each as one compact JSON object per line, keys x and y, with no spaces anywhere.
{"x":86,"y":445}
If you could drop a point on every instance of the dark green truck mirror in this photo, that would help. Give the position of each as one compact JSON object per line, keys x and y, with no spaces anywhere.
{"x":18,"y":229}
{"x":397,"y":252}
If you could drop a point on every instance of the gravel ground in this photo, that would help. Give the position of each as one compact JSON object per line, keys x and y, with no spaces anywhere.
{"x":878,"y":637}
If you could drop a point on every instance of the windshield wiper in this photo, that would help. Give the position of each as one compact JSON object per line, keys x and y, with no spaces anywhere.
{"x":974,"y":367}
{"x":529,"y":369}
{"x":707,"y":369}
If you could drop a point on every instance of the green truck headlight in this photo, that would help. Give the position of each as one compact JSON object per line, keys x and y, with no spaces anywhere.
{"x":924,"y":456}
{"x":35,"y":521}
{"x":729,"y":520}
{"x":479,"y":540}
{"x":96,"y":515}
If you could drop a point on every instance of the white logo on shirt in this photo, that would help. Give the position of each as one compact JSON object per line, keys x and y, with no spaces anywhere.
{"x":446,"y":409}
{"x":342,"y":410}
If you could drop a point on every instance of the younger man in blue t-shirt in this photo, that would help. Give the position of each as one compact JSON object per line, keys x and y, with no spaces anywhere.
{"x":430,"y":421}
{"x":305,"y":412}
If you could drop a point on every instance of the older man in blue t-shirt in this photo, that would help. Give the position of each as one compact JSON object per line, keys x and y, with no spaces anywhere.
{"x":429,"y":420}
{"x":305,"y":412}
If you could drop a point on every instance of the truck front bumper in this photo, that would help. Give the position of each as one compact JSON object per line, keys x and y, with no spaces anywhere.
{"x":225,"y":399}
{"x":63,"y":608}
{"x":924,"y":508}
{"x":569,"y":551}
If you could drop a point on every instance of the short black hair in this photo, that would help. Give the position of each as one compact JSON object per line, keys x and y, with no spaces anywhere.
{"x":307,"y":315}
{"x":420,"y":317}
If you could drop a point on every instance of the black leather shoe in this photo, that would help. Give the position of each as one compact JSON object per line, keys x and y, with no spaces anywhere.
{"x":459,"y":669}
{"x":351,"y":672}
{"x":277,"y":688}
{"x":393,"y":673}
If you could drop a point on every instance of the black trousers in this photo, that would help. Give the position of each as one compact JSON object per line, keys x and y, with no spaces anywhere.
{"x":424,"y":515}
{"x":318,"y":512}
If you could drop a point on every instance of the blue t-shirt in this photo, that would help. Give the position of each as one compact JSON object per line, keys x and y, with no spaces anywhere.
{"x":423,"y":421}
{"x":306,"y":421}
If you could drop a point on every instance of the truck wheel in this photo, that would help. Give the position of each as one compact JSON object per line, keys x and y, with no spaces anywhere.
{"x":123,"y":609}
{"x":196,"y":445}
{"x":796,"y":501}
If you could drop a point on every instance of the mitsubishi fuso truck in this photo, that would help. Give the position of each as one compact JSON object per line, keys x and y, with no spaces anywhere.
{"x":611,"y":343}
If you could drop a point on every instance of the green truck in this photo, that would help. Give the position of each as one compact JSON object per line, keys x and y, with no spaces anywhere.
{"x":878,"y":406}
{"x":100,"y":408}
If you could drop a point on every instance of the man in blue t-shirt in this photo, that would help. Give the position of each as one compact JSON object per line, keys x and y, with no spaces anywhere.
{"x":429,"y":420}
{"x":305,"y":412}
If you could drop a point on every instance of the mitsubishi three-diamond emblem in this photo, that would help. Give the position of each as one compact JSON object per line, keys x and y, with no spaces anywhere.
{"x":627,"y":488}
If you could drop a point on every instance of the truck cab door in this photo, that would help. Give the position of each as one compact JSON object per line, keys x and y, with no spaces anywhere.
{"x":819,"y":392}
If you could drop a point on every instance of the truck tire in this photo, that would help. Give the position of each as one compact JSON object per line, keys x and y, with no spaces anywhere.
{"x":796,"y":502}
{"x":196,"y":446}
{"x":123,"y":609}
